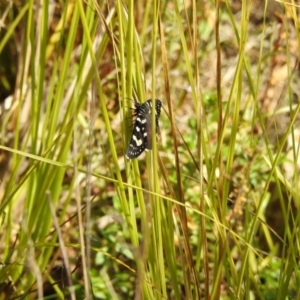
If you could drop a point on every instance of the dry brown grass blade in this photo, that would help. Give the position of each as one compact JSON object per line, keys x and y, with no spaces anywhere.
{"x":181,"y":209}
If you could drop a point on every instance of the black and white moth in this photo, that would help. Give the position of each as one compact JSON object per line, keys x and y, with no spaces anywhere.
{"x":141,"y":138}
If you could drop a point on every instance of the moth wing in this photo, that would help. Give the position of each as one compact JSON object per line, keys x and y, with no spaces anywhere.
{"x":148,"y":132}
{"x":137,"y":142}
{"x":157,"y":114}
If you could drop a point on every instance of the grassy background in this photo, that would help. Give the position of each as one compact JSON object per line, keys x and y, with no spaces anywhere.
{"x":211,"y":212}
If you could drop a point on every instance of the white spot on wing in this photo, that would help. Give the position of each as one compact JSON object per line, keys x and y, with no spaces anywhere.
{"x":138,"y":142}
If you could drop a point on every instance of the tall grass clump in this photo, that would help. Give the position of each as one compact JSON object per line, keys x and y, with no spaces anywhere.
{"x":211,"y":212}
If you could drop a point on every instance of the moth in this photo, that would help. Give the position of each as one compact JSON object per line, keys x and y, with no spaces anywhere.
{"x":141,"y":138}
